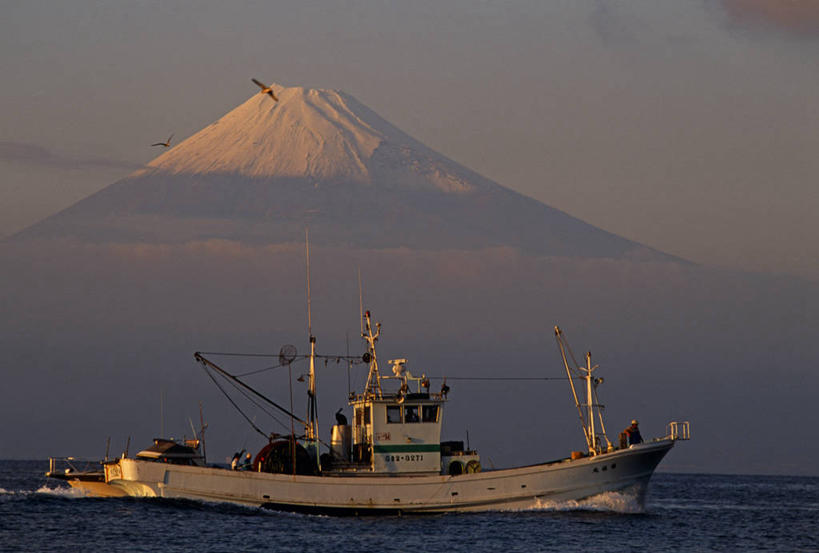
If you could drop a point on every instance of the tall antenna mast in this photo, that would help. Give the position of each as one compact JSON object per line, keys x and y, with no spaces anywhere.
{"x":203,"y":426}
{"x":590,"y":401}
{"x":360,"y":303}
{"x":373,"y":388}
{"x":311,"y":429}
{"x":309,"y":310}
{"x":162,"y":412}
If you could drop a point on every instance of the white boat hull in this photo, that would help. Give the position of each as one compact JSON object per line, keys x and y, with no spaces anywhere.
{"x":96,"y":489}
{"x":508,"y":489}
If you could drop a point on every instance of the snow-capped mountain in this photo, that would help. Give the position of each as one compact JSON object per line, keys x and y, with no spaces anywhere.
{"x":319,"y":158}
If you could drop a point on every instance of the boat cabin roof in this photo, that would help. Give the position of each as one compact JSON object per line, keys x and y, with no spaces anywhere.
{"x":170,"y":449}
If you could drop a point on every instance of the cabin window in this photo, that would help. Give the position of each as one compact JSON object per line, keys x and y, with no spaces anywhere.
{"x":367,"y":415}
{"x":393,"y":414}
{"x":411,"y":413}
{"x":430,"y":413}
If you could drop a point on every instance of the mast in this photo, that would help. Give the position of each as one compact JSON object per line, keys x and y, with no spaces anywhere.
{"x":589,"y":401}
{"x":311,"y":428}
{"x":203,"y":426}
{"x":360,"y":303}
{"x":593,"y":439}
{"x":561,"y":345}
{"x":373,"y":388}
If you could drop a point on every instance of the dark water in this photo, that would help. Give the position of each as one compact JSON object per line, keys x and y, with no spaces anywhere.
{"x":682,"y":513}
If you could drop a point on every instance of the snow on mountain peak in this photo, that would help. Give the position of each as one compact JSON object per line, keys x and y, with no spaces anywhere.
{"x":306,"y":133}
{"x":322,"y":135}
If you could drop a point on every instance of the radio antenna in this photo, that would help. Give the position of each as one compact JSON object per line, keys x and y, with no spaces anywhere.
{"x":311,"y":430}
{"x":360,"y":302}
{"x":309,"y":310}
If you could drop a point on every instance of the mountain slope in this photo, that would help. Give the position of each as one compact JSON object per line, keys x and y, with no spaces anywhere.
{"x":319,"y":158}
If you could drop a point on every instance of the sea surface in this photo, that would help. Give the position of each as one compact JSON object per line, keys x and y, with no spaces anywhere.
{"x":683,"y":512}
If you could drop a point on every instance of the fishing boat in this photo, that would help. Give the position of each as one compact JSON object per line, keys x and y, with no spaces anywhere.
{"x":390,"y":458}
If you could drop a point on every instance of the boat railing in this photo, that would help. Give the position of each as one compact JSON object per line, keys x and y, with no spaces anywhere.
{"x":678,"y":430}
{"x":72,"y":465}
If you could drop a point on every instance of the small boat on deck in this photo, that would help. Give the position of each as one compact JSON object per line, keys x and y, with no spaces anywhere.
{"x":88,"y":476}
{"x":84,"y":475}
{"x":390,"y":458}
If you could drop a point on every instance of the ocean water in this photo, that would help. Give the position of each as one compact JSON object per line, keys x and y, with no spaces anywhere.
{"x":683,"y":512}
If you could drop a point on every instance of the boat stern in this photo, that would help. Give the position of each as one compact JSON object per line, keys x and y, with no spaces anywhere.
{"x":128,"y":476}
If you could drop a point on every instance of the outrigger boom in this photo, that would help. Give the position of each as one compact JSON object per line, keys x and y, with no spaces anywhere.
{"x":592,"y":405}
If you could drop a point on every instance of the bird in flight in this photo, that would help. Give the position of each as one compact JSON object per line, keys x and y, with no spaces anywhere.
{"x":266,"y":89}
{"x":166,"y":144}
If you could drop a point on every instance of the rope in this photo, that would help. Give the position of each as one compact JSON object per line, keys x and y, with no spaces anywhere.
{"x":229,"y":354}
{"x":510,"y":378}
{"x":257,"y":371}
{"x":353,"y":358}
{"x":250,"y":422}
{"x":254,"y":402}
{"x":200,"y":358}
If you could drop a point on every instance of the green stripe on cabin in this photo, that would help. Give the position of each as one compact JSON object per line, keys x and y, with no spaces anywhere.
{"x":419,"y":448}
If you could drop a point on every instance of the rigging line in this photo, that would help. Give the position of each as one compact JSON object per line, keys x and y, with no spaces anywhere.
{"x":600,"y":409}
{"x":571,"y":354}
{"x":354,"y":358}
{"x":257,"y":371}
{"x":499,"y":377}
{"x":300,"y":356}
{"x":237,"y":385}
{"x":326,"y":357}
{"x":560,"y":344}
{"x":251,"y":400}
{"x":351,"y":359}
{"x":198,"y":356}
{"x":250,"y":422}
{"x":233,"y":354}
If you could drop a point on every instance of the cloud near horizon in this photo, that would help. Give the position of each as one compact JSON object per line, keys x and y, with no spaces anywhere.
{"x":33,"y":154}
{"x":798,"y":17}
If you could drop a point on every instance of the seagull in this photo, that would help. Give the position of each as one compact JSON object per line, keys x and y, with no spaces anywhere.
{"x":266,"y":89}
{"x":166,"y":144}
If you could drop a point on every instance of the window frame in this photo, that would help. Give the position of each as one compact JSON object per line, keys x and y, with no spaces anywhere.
{"x":412,"y":408}
{"x":394,"y":408}
{"x":437,"y":411}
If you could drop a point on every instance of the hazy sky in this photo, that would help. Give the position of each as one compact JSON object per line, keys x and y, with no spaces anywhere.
{"x":692,"y":127}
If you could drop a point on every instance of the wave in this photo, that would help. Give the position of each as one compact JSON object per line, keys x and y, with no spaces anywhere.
{"x":58,"y":491}
{"x":625,"y":502}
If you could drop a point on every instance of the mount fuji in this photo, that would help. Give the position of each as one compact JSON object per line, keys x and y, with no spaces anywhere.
{"x":321,"y":159}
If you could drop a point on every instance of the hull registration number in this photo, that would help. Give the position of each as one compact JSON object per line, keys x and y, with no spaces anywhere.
{"x":403,"y":458}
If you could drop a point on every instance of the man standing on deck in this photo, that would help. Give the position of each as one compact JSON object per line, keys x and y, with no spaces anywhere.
{"x":237,"y":457}
{"x":632,"y":434}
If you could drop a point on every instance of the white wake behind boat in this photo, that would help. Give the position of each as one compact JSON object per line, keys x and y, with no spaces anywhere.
{"x":390,"y":459}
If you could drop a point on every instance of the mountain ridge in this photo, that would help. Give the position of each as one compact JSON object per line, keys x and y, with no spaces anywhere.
{"x":319,"y":158}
